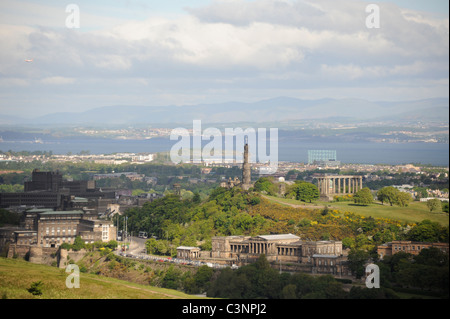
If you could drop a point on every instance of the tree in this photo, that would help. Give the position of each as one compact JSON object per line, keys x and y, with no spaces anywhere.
{"x":289,"y":292}
{"x":196,"y":199}
{"x":387,"y":194}
{"x":403,"y":199}
{"x":434,"y":205}
{"x":172,"y":278}
{"x":363,"y":197}
{"x":202,"y":277}
{"x":432,"y":257}
{"x":428,"y":231}
{"x":265,"y":184}
{"x":445,"y":207}
{"x":356,"y":260}
{"x":393,"y":196}
{"x":303,"y":191}
{"x":421,"y":192}
{"x":78,"y":244}
{"x":36,"y":288}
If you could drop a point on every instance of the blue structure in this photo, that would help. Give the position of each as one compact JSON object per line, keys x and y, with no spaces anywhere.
{"x":323,"y":157}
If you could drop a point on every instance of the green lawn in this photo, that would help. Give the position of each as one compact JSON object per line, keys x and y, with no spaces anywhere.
{"x":16,"y":276}
{"x":415,"y":212}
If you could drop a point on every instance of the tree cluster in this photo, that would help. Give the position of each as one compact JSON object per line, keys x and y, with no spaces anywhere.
{"x":393,"y":196}
{"x":187,"y":222}
{"x":303,"y":191}
{"x":260,"y":280}
{"x":426,"y":271}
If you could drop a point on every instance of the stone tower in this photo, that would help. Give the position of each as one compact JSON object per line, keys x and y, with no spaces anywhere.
{"x":246,"y":173}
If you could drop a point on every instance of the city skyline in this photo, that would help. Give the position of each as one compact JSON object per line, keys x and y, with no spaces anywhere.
{"x":188,"y":52}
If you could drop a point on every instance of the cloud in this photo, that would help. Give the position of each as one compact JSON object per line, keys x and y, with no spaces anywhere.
{"x":57,"y":80}
{"x":226,"y":50}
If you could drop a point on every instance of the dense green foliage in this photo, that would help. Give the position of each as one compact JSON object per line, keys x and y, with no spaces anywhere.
{"x":8,"y":218}
{"x":428,"y":231}
{"x":426,"y":271}
{"x":79,"y":244}
{"x":260,"y":280}
{"x":265,"y":185}
{"x":226,"y":212}
{"x":303,"y":191}
{"x":191,"y":222}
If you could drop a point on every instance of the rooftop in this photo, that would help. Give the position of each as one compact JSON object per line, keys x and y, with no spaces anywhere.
{"x":187,"y":247}
{"x":278,"y":237}
{"x":68,"y":212}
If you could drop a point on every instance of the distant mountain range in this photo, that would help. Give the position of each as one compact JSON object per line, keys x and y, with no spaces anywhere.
{"x":279,"y":109}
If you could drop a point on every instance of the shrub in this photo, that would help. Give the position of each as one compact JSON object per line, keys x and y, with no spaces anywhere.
{"x":36,"y":288}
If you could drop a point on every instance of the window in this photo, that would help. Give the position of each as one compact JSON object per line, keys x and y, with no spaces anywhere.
{"x":105,"y":231}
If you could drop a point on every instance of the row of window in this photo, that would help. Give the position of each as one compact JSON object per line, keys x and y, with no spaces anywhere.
{"x":398,"y":248}
{"x":59,"y":230}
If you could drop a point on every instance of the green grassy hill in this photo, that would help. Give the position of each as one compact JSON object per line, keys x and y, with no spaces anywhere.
{"x":17,"y":276}
{"x":414,"y":213}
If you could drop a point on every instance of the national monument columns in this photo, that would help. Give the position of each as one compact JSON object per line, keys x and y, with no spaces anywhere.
{"x":338,"y":185}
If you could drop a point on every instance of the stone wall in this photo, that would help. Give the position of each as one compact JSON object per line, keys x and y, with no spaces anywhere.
{"x":66,"y":255}
{"x":20,"y":251}
{"x":40,"y":255}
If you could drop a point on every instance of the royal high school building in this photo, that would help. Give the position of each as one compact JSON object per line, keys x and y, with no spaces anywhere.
{"x":285,"y":250}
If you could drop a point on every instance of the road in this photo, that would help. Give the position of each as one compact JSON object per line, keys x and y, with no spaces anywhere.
{"x":136,"y":250}
{"x":137,"y":245}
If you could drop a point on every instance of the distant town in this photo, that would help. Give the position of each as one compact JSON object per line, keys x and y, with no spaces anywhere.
{"x":143,"y":158}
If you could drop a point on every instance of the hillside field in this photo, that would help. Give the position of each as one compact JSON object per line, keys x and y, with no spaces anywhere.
{"x":413,"y":213}
{"x":17,"y":276}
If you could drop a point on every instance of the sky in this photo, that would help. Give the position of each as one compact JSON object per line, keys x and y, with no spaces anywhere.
{"x":180,"y":52}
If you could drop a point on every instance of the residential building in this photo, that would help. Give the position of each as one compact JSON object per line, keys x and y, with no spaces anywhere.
{"x":411,"y":247}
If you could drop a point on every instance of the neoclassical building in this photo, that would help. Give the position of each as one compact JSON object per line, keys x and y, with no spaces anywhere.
{"x":282,"y":249}
{"x":331,"y":185}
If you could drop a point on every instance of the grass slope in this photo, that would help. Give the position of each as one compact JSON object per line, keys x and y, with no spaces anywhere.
{"x":16,"y":276}
{"x":415,"y":212}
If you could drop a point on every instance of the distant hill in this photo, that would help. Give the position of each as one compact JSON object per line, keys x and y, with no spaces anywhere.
{"x":270,"y":110}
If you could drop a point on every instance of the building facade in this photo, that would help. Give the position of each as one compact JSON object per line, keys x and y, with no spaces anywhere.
{"x":323,"y":158}
{"x":46,"y":228}
{"x":410,"y":247}
{"x":285,"y":250}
